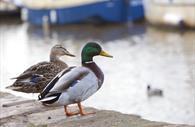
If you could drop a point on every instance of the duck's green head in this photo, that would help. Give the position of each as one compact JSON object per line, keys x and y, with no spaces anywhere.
{"x":90,"y":50}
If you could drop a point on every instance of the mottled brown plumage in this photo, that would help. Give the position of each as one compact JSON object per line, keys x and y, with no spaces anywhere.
{"x":36,"y":77}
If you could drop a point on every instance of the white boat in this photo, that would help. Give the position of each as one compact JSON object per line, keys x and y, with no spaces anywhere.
{"x":8,"y":8}
{"x":170,"y":12}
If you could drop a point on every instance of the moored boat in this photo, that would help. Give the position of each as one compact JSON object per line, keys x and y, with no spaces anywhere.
{"x":68,"y":11}
{"x":170,"y":12}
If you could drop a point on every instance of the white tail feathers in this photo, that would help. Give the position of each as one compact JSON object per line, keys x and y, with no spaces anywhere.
{"x":47,"y":99}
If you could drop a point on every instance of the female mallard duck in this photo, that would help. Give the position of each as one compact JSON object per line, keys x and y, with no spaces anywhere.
{"x":76,"y":84}
{"x":36,"y":77}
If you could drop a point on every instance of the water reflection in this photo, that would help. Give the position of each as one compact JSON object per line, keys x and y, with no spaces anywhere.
{"x":80,"y":32}
{"x":142,"y":55}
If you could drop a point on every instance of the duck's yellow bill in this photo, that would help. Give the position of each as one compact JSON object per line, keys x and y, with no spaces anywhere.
{"x":103,"y":53}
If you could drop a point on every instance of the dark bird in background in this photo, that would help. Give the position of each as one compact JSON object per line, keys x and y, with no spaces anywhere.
{"x":154,"y":91}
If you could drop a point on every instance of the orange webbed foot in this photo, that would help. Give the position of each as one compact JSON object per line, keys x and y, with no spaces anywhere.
{"x":82,"y":112}
{"x":68,"y":114}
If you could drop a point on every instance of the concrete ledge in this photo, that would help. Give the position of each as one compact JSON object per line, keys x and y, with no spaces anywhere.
{"x":18,"y":112}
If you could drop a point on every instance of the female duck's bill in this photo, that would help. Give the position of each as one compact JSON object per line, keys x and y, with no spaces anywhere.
{"x":75,"y":84}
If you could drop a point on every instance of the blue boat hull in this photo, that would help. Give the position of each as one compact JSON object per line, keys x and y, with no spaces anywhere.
{"x":109,"y":11}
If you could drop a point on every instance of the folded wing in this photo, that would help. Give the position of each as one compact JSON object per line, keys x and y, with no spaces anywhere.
{"x":64,"y":80}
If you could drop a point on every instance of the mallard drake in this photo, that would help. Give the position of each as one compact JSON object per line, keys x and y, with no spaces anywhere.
{"x":36,"y":77}
{"x":75,"y":84}
{"x":154,"y":91}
